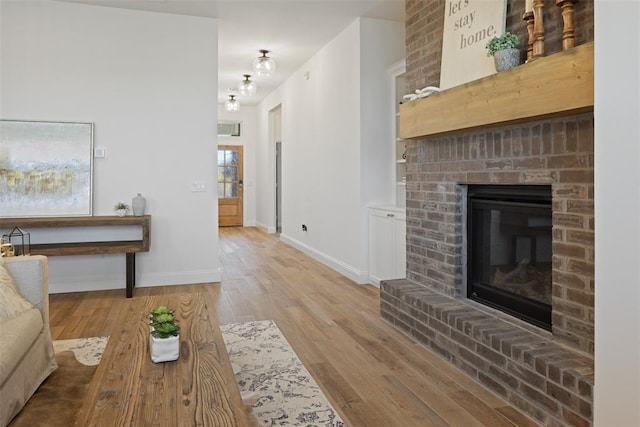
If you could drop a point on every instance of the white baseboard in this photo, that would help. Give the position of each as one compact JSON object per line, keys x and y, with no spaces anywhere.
{"x":358,"y":276}
{"x":82,"y":284}
{"x":266,"y":228}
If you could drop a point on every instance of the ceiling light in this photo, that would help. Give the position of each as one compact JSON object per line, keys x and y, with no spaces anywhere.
{"x":263,"y":65}
{"x":247,"y":87}
{"x":232,"y":105}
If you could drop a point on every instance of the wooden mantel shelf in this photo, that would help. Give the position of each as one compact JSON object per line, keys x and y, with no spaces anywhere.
{"x":557,"y":85}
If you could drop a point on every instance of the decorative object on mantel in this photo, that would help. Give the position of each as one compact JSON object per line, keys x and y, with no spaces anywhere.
{"x":421,"y":93}
{"x":164,"y":335}
{"x":138,"y":204}
{"x":528,"y":17}
{"x":19,"y":240}
{"x":568,"y":30}
{"x":538,"y":29}
{"x":121,"y":208}
{"x":468,"y":25}
{"x":504,"y":50}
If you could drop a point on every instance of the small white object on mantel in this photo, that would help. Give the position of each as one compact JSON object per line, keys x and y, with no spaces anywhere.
{"x":421,"y":93}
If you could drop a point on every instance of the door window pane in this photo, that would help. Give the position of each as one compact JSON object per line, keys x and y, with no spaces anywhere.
{"x":228,"y":179}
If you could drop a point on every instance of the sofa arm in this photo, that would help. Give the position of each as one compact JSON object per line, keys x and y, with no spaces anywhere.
{"x":31,"y":276}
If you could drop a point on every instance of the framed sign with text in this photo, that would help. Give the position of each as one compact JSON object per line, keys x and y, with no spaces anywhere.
{"x":468,"y":26}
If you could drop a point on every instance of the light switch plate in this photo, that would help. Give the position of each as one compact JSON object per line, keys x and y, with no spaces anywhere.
{"x":198,"y":187}
{"x":100,"y":152}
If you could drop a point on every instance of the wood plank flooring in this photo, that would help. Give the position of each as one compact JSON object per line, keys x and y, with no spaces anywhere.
{"x":373,"y":374}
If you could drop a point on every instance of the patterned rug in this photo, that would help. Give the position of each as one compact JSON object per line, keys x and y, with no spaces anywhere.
{"x":270,"y":374}
{"x":59,"y":399}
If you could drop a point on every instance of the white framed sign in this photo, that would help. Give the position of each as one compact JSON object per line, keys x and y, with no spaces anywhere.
{"x":468,"y":26}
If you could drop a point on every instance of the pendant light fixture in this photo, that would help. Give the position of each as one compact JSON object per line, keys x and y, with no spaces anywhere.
{"x":232,"y":105}
{"x":247,"y":87}
{"x":263,"y":65}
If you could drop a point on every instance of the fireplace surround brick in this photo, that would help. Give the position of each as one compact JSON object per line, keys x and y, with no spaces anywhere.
{"x":548,"y":375}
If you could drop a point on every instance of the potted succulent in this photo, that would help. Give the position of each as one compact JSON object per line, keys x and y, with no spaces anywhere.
{"x":121,"y":208}
{"x":164,"y":337}
{"x":504,"y":50}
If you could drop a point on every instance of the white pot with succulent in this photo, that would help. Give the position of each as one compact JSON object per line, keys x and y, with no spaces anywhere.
{"x":164,"y":335}
{"x":121,"y":208}
{"x":504,"y":50}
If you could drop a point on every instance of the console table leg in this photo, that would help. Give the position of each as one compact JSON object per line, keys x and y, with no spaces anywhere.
{"x":131,"y":273}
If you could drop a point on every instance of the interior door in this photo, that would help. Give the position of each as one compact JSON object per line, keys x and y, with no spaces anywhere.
{"x":230,"y":194}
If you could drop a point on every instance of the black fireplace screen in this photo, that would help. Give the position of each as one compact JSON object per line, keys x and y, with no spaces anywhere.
{"x":509,"y":250}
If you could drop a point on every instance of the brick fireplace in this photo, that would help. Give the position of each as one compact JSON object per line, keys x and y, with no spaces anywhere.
{"x":547,"y":374}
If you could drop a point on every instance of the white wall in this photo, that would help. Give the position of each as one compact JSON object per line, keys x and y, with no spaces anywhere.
{"x":248,"y":118}
{"x":149,"y":83}
{"x":330,"y":139}
{"x":617,"y":213}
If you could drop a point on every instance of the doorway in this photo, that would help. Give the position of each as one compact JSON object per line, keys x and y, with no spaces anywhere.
{"x":275,"y":136}
{"x":278,"y":187}
{"x":230,"y":186}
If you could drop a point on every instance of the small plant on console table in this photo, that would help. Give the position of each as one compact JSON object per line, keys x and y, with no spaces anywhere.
{"x":121,"y":208}
{"x":164,"y":338}
{"x":504,"y":50}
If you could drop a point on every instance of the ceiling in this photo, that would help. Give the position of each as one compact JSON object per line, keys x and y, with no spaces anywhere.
{"x":293,"y":30}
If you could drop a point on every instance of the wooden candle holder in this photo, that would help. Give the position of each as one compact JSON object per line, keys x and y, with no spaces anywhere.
{"x":568,"y":29}
{"x":538,"y":29}
{"x":528,"y":17}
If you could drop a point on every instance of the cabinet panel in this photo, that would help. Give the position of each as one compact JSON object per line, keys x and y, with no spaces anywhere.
{"x":387,"y":244}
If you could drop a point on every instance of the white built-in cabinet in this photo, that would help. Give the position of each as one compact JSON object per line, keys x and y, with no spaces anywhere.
{"x":387,"y":243}
{"x":387,"y":224}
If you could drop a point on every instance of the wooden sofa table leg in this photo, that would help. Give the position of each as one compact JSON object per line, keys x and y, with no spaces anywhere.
{"x":131,"y":273}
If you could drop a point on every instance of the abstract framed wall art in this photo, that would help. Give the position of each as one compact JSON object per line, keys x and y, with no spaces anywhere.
{"x":46,"y":168}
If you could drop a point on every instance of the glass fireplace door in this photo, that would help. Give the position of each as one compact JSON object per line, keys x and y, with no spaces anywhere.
{"x":509,"y":252}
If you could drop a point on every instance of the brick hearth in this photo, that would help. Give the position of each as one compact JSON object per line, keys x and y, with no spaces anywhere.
{"x":549,"y":375}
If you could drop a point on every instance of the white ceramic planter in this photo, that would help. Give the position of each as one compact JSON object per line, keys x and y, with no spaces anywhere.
{"x":164,"y":349}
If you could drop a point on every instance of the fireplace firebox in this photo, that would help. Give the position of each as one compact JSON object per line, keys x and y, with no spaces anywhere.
{"x":509,"y":255}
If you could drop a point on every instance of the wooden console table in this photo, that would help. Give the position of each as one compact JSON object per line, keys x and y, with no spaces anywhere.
{"x":128,"y":247}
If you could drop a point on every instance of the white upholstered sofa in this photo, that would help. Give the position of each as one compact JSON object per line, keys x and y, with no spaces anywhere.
{"x":26,"y":352}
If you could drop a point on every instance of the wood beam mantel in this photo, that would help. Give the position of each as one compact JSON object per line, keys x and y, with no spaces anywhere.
{"x":556,"y":85}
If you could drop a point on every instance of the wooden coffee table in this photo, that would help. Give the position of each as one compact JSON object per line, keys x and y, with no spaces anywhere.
{"x":198,"y":389}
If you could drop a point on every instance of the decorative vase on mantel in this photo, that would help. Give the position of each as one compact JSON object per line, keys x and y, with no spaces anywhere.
{"x":138,"y":204}
{"x":506,"y":59}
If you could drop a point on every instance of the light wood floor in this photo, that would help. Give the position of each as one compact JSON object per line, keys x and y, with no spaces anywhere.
{"x":371,"y":373}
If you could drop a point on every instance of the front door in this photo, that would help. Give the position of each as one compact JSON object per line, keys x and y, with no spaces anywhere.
{"x":229,"y":185}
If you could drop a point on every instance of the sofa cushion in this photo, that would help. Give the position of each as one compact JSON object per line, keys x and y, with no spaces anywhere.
{"x":12,"y":303}
{"x":18,"y":334}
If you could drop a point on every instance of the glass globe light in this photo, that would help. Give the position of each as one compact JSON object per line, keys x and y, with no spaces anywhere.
{"x":263,"y":65}
{"x":232,"y":105}
{"x":247,"y":87}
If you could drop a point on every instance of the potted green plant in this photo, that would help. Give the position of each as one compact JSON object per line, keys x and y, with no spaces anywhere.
{"x":121,"y":208}
{"x":504,"y":50}
{"x":164,"y":337}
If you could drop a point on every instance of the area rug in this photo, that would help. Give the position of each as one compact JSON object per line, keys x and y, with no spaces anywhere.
{"x":59,"y":399}
{"x":271,"y":376}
